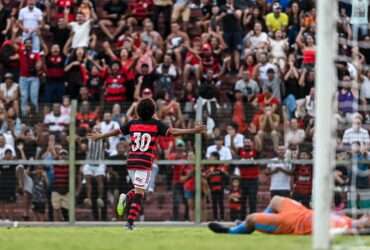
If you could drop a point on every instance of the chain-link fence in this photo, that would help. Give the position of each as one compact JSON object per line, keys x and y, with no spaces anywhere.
{"x":47,"y":175}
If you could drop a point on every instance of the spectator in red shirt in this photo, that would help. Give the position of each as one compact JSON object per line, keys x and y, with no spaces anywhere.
{"x":188,"y":180}
{"x":303,"y":176}
{"x":59,"y":195}
{"x":115,"y":87}
{"x":30,"y":65}
{"x":76,"y":72}
{"x":54,"y":89}
{"x":177,"y":185}
{"x":248,"y":179}
{"x":85,"y":118}
{"x":235,"y":200}
{"x":216,"y":177}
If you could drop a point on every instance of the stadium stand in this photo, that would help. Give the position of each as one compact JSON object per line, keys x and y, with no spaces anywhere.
{"x":250,"y":62}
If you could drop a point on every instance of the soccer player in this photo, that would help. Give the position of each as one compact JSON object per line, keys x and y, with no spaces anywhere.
{"x":286,"y":216}
{"x":144,"y":133}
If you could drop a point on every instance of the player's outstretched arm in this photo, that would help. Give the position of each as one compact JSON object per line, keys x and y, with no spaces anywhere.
{"x":98,"y":136}
{"x":196,"y":130}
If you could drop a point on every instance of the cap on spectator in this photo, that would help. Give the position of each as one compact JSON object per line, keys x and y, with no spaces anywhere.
{"x":276,"y":6}
{"x":180,"y":143}
{"x":270,"y":71}
{"x":8,"y":75}
{"x":8,"y":151}
{"x":147,"y":91}
{"x":63,"y":151}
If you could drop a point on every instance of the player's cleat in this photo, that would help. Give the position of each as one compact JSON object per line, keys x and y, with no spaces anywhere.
{"x":121,"y":205}
{"x":130,"y":227}
{"x":218,"y":228}
{"x":100,"y":202}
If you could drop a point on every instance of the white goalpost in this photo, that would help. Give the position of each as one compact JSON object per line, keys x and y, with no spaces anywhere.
{"x":324,"y":148}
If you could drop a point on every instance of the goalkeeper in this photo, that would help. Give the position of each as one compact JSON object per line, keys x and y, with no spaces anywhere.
{"x":286,"y":216}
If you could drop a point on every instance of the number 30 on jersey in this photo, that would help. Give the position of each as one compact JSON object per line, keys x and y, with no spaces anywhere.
{"x":141,"y":142}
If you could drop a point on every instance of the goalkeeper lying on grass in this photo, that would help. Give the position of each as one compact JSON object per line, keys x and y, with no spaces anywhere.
{"x":286,"y":216}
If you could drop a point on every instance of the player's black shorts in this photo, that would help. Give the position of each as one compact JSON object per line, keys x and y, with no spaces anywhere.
{"x":38,"y":207}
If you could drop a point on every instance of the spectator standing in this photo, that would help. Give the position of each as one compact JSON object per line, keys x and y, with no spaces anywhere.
{"x":359,"y":177}
{"x":235,"y":200}
{"x":60,"y":32}
{"x":113,"y":17}
{"x":95,"y":171}
{"x":115,"y":85}
{"x":76,"y":73}
{"x":232,"y":31}
{"x":164,"y":7}
{"x":280,"y":173}
{"x":359,"y":18}
{"x":81,"y":28}
{"x":39,"y":193}
{"x":249,"y":176}
{"x":302,"y":179}
{"x":54,"y":62}
{"x":8,"y":186}
{"x":30,"y":22}
{"x":30,"y":66}
{"x":177,"y":184}
{"x":59,"y":186}
{"x":216,"y":181}
{"x":108,"y":125}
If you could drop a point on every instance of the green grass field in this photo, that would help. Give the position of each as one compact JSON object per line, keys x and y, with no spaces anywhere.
{"x":143,"y":239}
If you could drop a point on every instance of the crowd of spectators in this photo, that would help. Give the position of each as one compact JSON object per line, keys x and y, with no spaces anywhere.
{"x":250,"y":63}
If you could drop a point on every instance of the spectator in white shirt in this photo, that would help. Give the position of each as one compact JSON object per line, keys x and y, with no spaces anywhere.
{"x":4,"y":146}
{"x":293,"y":134}
{"x":263,"y":67}
{"x":280,"y":175}
{"x":30,"y":21}
{"x":233,"y":140}
{"x":356,"y":133}
{"x":256,"y":39}
{"x":9,"y":93}
{"x":108,"y":125}
{"x":55,"y":120}
{"x":225,"y":152}
{"x":81,"y":28}
{"x":359,"y":18}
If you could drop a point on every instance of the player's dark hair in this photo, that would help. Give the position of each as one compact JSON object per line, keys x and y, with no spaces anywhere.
{"x":146,"y":109}
{"x":216,"y":155}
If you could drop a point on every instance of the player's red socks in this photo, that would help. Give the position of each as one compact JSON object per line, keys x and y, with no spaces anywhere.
{"x":130,"y":195}
{"x":135,"y":208}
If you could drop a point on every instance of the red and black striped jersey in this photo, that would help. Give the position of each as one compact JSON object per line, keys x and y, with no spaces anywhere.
{"x":143,"y":136}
